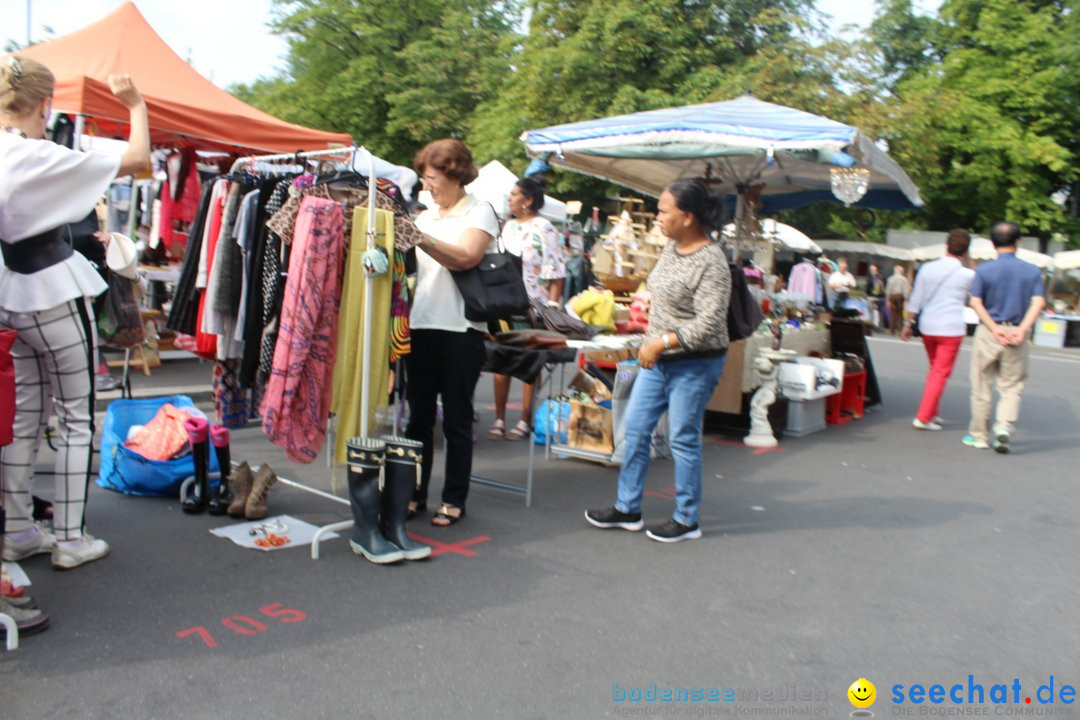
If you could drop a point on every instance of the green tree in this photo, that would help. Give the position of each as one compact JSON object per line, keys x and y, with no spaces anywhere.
{"x":395,"y":75}
{"x":990,"y":130}
{"x":597,"y":58}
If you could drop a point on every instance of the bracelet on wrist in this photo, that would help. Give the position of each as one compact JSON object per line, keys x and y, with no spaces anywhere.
{"x":667,"y":343}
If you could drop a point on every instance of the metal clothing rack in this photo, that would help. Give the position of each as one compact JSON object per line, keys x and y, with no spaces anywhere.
{"x":346,"y":153}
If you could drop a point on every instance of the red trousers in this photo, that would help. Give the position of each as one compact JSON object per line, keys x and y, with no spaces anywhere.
{"x":942,"y":352}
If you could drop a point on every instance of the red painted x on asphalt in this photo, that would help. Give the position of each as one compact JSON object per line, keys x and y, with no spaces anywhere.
{"x":458,"y":548}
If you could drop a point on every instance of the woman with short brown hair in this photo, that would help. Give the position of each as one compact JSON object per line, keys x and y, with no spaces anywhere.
{"x":447,"y":349}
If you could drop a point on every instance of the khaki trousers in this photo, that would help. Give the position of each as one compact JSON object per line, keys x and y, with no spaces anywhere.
{"x":1007,"y":367}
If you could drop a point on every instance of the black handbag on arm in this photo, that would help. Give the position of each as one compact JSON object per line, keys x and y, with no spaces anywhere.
{"x":494,"y":289}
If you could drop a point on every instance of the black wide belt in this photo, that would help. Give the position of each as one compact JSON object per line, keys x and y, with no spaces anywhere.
{"x":36,"y":253}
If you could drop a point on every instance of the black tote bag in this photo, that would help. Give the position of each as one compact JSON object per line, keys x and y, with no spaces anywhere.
{"x":494,"y":289}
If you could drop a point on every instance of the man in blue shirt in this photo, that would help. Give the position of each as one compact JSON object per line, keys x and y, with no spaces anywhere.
{"x":1007,"y":295}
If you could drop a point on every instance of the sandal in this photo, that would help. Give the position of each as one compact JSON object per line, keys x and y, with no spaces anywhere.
{"x":521,"y":430}
{"x":414,"y":508}
{"x":497,"y":431}
{"x":443,"y":517}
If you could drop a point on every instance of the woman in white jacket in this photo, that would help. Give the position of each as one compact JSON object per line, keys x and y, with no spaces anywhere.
{"x":45,"y":296}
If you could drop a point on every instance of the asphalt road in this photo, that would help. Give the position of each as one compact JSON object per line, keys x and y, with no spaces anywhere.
{"x":868,"y":550}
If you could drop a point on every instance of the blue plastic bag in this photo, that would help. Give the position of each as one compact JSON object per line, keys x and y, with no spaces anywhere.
{"x":126,"y":471}
{"x":545,"y":415}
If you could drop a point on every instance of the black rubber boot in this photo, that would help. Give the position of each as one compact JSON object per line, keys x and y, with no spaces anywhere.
{"x":403,"y":458}
{"x":220,"y":498}
{"x":199,"y":491}
{"x":365,"y":458}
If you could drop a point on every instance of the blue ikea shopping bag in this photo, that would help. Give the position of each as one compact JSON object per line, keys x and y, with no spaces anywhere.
{"x":547,"y":415}
{"x":128,"y":472}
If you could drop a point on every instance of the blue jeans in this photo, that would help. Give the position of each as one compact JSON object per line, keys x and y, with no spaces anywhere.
{"x":683,"y":388}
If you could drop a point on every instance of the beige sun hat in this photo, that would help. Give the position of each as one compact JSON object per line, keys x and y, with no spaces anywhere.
{"x":122,"y":257}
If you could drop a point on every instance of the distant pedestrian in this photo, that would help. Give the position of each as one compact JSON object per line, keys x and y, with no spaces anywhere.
{"x":875,"y":293}
{"x":1008,"y":296}
{"x":938,"y":299}
{"x":896,"y":292}
{"x":841,"y":282}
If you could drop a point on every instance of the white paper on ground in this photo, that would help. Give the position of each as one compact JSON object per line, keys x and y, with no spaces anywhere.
{"x":18,"y":577}
{"x":299,"y":532}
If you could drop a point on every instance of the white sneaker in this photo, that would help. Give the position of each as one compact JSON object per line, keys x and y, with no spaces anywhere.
{"x":88,"y":549}
{"x":920,"y":425}
{"x":41,"y":542}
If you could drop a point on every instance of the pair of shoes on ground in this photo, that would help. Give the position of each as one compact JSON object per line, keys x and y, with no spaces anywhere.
{"x":1000,"y":444}
{"x":498,"y":431}
{"x":250,"y":490}
{"x":936,"y":423}
{"x":27,"y":620}
{"x":670,"y":531}
{"x":444,"y":517}
{"x":65,"y":556}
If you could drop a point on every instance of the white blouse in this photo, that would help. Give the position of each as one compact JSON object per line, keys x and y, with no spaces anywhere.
{"x":437,"y":304}
{"x":43,"y":186}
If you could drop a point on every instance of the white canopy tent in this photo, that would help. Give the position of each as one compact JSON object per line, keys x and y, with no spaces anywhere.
{"x":855,"y":247}
{"x":982,"y":249}
{"x":785,"y":235}
{"x":405,"y":178}
{"x":494,"y":184}
{"x":1067,"y":260}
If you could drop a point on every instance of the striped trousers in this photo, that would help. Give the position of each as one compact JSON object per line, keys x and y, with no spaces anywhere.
{"x":54,"y":371}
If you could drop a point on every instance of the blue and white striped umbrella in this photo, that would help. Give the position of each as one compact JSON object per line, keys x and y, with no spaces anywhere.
{"x":740,"y":143}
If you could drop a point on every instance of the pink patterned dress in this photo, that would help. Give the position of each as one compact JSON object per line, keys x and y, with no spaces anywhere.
{"x":296,"y":405}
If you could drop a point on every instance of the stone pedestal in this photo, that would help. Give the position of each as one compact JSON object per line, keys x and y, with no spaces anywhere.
{"x":767,"y":365}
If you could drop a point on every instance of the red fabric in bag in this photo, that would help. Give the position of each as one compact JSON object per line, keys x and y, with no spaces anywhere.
{"x":163,"y":437}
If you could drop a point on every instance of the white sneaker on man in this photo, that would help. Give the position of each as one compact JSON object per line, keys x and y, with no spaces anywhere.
{"x":88,"y":550}
{"x":40,"y":542}
{"x":920,"y":425}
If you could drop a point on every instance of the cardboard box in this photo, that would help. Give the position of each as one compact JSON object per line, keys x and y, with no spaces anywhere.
{"x":591,"y":428}
{"x":807,"y":378}
{"x":610,"y":357}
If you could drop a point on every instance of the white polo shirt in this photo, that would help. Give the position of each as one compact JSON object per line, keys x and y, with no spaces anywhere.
{"x":940,"y":295}
{"x":438,"y":304}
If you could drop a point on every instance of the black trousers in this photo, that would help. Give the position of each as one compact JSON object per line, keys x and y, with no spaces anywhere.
{"x":446,"y":364}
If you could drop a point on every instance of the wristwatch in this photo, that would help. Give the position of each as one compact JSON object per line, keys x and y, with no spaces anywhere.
{"x":667,"y":343}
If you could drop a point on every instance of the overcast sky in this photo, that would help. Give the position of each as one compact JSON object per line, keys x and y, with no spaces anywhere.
{"x":227,"y":40}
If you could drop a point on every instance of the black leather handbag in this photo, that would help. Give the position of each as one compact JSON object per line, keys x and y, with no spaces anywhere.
{"x":494,"y":289}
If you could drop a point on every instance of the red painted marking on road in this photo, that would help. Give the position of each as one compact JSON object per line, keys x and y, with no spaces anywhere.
{"x":245,"y":625}
{"x":666,"y":493}
{"x":458,"y":548}
{"x":202,"y":632}
{"x":253,"y":625}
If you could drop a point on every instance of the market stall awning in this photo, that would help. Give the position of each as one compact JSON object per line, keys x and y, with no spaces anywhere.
{"x":1067,"y":260}
{"x":785,"y":235}
{"x":837,"y":248}
{"x":982,"y":249}
{"x":185,"y":108}
{"x":744,"y":145}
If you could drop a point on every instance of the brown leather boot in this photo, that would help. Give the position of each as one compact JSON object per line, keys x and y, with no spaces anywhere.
{"x":255,"y":509}
{"x":240,"y":480}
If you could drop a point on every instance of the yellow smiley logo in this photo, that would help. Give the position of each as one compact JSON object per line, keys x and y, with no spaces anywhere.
{"x":862,"y":693}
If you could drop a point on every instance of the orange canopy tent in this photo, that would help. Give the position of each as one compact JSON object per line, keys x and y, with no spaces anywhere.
{"x":185,"y":108}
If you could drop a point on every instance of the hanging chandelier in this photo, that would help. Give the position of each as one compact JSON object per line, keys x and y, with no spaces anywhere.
{"x":849,"y":185}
